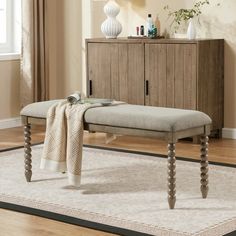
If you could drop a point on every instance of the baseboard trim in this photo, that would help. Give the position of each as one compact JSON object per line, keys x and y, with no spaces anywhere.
{"x":10,"y":123}
{"x":229,"y":133}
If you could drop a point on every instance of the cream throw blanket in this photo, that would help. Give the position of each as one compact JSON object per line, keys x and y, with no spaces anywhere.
{"x":63,"y":143}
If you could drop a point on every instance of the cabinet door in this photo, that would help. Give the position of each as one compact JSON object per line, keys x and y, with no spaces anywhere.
{"x":156,"y":74}
{"x":185,"y":70}
{"x":170,"y":70}
{"x":99,"y":70}
{"x":116,"y":70}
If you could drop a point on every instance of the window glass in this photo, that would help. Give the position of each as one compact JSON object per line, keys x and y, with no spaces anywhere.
{"x":3,"y":21}
{"x":10,"y":26}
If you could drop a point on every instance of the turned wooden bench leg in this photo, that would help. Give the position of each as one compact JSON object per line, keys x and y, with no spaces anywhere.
{"x":27,"y":149}
{"x":171,"y":175}
{"x":204,"y":166}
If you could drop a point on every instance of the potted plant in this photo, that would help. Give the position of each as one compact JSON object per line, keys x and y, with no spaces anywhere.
{"x":186,"y":15}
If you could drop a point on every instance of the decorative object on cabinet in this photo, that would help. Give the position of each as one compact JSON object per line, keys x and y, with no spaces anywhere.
{"x":185,"y":74}
{"x":186,"y":15}
{"x":111,"y":27}
{"x":191,"y":31}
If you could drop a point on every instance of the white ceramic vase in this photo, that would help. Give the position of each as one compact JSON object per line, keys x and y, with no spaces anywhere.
{"x":191,"y":32}
{"x":111,"y":27}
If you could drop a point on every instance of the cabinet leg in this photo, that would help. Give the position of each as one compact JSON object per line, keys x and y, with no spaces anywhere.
{"x":171,"y":175}
{"x":218,"y":133}
{"x":92,"y":132}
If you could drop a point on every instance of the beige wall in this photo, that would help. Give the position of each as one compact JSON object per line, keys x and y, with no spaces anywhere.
{"x":67,"y":45}
{"x":216,"y":22}
{"x":9,"y":89}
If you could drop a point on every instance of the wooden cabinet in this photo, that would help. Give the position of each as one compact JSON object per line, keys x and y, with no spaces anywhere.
{"x":166,"y":72}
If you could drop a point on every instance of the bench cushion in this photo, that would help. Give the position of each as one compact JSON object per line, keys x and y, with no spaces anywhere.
{"x":147,"y":117}
{"x":132,"y":116}
{"x":38,"y":109}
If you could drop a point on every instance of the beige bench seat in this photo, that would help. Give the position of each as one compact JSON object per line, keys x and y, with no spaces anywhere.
{"x":169,"y":123}
{"x":131,"y":116}
{"x":38,"y":109}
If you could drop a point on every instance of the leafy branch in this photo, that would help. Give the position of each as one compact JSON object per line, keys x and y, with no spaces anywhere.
{"x":186,"y":14}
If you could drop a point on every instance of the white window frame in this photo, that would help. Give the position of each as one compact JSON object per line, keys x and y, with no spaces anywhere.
{"x":13,"y":35}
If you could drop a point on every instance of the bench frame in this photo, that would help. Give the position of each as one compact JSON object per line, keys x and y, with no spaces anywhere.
{"x":171,"y":137}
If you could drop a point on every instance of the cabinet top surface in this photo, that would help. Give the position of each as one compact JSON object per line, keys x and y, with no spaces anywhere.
{"x":147,"y":40}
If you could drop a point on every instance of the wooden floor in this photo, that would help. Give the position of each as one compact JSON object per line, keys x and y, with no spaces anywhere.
{"x":18,"y":224}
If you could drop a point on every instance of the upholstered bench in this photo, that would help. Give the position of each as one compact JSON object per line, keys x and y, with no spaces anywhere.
{"x":171,"y":124}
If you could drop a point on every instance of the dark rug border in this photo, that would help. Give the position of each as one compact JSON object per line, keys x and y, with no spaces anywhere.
{"x":76,"y":221}
{"x":70,"y":220}
{"x":90,"y":224}
{"x":231,"y":234}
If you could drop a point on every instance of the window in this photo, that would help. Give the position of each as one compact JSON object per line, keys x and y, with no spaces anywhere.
{"x":3,"y":21}
{"x":10,"y":25}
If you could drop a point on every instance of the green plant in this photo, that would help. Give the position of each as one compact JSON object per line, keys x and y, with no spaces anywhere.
{"x":185,"y":14}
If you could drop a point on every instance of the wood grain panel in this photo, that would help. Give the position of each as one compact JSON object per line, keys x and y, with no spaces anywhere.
{"x":156,"y":74}
{"x":123,"y":73}
{"x":161,"y":79}
{"x":211,"y":80}
{"x":99,"y":70}
{"x":190,"y":77}
{"x":114,"y":67}
{"x":202,"y":73}
{"x":220,"y":77}
{"x":136,"y":74}
{"x":170,"y":75}
{"x":147,"y":74}
{"x":179,"y":76}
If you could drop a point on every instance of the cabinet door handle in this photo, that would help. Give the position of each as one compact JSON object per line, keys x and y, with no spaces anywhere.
{"x":147,"y":87}
{"x":90,"y":87}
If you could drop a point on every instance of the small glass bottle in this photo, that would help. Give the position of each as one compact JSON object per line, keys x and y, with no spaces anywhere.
{"x":149,"y":25}
{"x":141,"y":30}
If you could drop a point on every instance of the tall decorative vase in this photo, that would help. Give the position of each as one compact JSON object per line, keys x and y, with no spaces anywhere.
{"x":111,"y":27}
{"x":191,"y":32}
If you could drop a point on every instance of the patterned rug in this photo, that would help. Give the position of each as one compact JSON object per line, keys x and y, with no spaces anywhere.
{"x":123,"y":193}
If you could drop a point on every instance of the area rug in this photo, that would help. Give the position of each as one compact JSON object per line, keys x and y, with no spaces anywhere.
{"x":124,"y":193}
